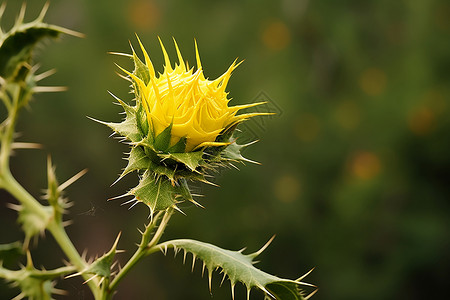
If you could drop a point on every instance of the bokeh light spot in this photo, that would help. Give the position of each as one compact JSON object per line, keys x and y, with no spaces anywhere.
{"x":365,"y":165}
{"x":276,"y":35}
{"x":144,"y":14}
{"x":307,"y":127}
{"x":373,"y":81}
{"x":421,"y":121}
{"x":347,"y":114}
{"x":287,"y":188}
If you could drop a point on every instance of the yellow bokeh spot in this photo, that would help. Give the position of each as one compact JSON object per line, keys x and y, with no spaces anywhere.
{"x":287,"y":188}
{"x":373,"y":81}
{"x":276,"y":35}
{"x":421,"y":121}
{"x":347,"y":115}
{"x":307,"y":127}
{"x":144,"y":14}
{"x":365,"y":165}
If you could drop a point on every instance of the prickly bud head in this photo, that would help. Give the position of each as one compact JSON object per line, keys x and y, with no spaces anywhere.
{"x":180,"y":127}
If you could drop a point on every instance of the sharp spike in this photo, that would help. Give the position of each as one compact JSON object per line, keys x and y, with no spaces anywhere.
{"x":118,"y":197}
{"x":72,"y":179}
{"x":232,"y":291}
{"x":180,"y":57}
{"x":203,"y":268}
{"x":2,"y":9}
{"x":209,"y":280}
{"x":133,"y":205}
{"x":306,"y":274}
{"x":257,"y":253}
{"x":167,"y":65}
{"x":148,"y":62}
{"x":95,"y":276}
{"x":26,"y":146}
{"x":21,"y":15}
{"x":197,"y":56}
{"x":49,"y":89}
{"x":184,"y":256}
{"x":43,"y":11}
{"x":311,"y":294}
{"x":193,"y":262}
{"x":223,"y":278}
{"x":46,"y":74}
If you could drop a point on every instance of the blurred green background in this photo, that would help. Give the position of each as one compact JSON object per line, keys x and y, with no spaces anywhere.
{"x":355,"y":165}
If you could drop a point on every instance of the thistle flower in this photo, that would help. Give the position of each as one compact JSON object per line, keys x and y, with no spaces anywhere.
{"x":180,"y":127}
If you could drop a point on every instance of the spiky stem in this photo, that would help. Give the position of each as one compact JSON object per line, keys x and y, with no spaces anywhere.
{"x":10,"y":184}
{"x":144,"y":247}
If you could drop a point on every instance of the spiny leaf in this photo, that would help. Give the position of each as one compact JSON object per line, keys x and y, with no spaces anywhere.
{"x":162,"y":141}
{"x":156,"y":192}
{"x":191,"y":159}
{"x":238,"y":267}
{"x":137,"y":160}
{"x":17,"y":45}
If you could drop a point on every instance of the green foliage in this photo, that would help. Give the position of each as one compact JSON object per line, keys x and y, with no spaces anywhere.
{"x":238,"y":267}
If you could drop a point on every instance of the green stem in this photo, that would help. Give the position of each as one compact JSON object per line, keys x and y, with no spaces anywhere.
{"x":143,"y":249}
{"x":55,"y":228}
{"x":10,"y":184}
{"x":9,"y":124}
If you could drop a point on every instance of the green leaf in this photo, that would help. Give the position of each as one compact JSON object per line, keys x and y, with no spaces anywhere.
{"x":191,"y":159}
{"x":137,"y":160}
{"x":102,"y":265}
{"x":162,"y":141}
{"x":127,"y":128}
{"x":140,"y":69}
{"x":179,"y":147}
{"x":17,"y":45}
{"x":157,"y":192}
{"x":238,"y":267}
{"x":233,"y":152}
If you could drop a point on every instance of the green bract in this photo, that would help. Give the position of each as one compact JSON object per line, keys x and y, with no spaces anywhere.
{"x":164,"y":162}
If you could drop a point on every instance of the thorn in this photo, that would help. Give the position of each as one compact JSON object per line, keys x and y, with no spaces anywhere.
{"x":120,"y":54}
{"x":21,"y":15}
{"x":95,"y":276}
{"x":209,"y":279}
{"x":2,"y":9}
{"x":193,"y":262}
{"x":184,"y":256}
{"x":248,"y":293}
{"x":266,"y":291}
{"x":73,"y":275}
{"x":45,"y":74}
{"x":14,"y":206}
{"x":72,"y":179}
{"x":67,"y":223}
{"x":49,"y":89}
{"x":133,"y":205}
{"x":223,"y":278}
{"x":43,"y":11}
{"x":129,"y":201}
{"x":203,"y":268}
{"x":179,"y":210}
{"x":311,"y":294}
{"x":118,"y":197}
{"x":303,"y":276}
{"x":26,"y":146}
{"x":59,"y":292}
{"x":257,"y":253}
{"x":232,"y":291}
